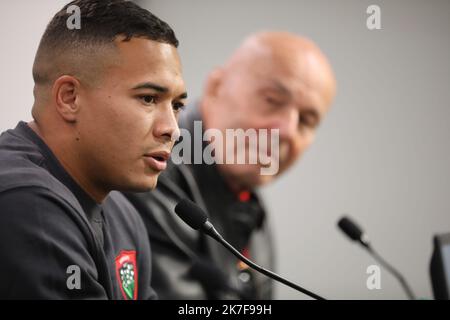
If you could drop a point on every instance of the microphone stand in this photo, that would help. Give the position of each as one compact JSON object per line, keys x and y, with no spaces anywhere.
{"x":212,"y":232}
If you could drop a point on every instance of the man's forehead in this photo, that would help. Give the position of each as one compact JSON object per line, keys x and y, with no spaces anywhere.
{"x":304,"y":76}
{"x":295,"y":90}
{"x":284,"y":59}
{"x":142,"y":52}
{"x":141,"y":60}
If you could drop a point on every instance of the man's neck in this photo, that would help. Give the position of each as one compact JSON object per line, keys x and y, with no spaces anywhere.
{"x":64,"y":153}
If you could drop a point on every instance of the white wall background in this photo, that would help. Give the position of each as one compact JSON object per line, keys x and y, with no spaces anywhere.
{"x":382,"y":155}
{"x":22,"y":24}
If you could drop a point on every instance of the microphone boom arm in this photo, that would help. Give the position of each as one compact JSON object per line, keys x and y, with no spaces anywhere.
{"x":209,"y":229}
{"x":393,"y":271}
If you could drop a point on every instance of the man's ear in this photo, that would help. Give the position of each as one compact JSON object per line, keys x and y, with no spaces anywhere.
{"x":64,"y":92}
{"x":213,"y":83}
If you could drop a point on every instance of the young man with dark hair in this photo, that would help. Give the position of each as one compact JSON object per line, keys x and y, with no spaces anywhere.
{"x":107,"y":98}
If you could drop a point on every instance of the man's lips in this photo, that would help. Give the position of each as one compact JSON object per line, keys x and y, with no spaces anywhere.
{"x":157,"y":160}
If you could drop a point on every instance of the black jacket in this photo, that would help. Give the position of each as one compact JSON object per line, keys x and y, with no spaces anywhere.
{"x":188,"y":265}
{"x":51,"y":231}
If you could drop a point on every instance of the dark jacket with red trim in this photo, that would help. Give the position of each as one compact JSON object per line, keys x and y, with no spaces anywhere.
{"x":55,"y":241}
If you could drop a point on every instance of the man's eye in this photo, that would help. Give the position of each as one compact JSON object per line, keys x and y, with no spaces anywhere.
{"x":273,"y":101}
{"x":178,"y":106}
{"x":308,"y":121}
{"x":148,"y":99}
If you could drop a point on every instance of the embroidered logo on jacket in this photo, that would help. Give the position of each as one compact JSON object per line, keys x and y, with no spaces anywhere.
{"x":127,"y":274}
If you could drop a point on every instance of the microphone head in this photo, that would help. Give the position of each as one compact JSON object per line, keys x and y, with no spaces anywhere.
{"x":190,"y":213}
{"x":350,"y":228}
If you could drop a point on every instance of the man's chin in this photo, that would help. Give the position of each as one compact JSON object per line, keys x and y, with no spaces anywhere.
{"x":248,"y":176}
{"x":253,"y":180}
{"x":262,"y":180}
{"x":144,"y":185}
{"x":257,"y":178}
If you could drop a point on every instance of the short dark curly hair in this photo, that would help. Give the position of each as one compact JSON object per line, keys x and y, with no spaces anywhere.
{"x":102,"y":21}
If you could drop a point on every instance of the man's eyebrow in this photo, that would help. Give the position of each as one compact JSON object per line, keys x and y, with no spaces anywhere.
{"x":310,"y":109}
{"x":149,"y":85}
{"x":184,"y":95}
{"x":281,"y":87}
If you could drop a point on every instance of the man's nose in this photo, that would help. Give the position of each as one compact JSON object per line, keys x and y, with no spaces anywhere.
{"x":165,"y":125}
{"x":287,"y":123}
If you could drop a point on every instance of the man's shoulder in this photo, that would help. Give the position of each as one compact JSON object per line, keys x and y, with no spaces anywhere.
{"x":41,"y":209}
{"x":19,"y":175}
{"x":41,"y":235}
{"x":22,"y":167}
{"x":119,"y":208}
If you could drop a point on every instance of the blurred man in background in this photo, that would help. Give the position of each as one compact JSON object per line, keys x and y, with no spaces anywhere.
{"x":274,"y":80}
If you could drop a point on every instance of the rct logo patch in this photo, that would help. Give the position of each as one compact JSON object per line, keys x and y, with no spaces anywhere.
{"x":127,"y":274}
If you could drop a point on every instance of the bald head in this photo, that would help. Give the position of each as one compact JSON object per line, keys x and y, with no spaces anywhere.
{"x":290,"y":54}
{"x":274,"y":80}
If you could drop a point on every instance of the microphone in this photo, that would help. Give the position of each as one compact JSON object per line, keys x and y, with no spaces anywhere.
{"x":197,"y":219}
{"x":355,"y":233}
